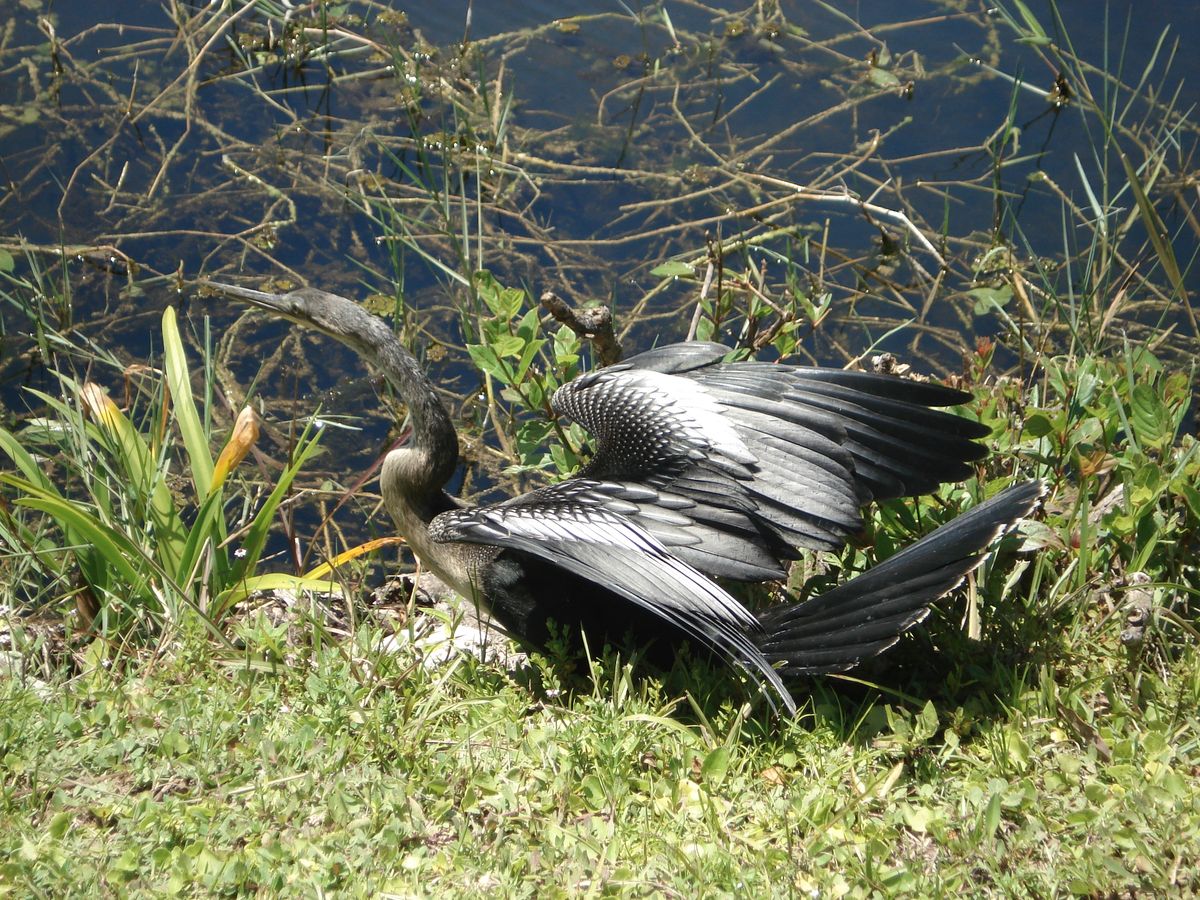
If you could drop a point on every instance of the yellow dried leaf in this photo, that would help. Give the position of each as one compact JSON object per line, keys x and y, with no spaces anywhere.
{"x":325,"y":569}
{"x":98,"y":405}
{"x":241,"y":439}
{"x":772,"y":775}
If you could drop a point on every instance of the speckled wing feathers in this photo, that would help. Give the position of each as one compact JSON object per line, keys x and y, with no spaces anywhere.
{"x":783,"y":483}
{"x":651,"y":419}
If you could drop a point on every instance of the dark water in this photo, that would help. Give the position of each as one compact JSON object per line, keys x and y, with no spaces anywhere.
{"x":558,"y":79}
{"x":260,"y":173}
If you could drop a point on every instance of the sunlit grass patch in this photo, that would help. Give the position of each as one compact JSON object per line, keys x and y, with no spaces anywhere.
{"x":201,"y":775}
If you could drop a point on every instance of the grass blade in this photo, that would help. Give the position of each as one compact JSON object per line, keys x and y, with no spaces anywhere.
{"x":116,"y":549}
{"x":1158,"y":237}
{"x":25,"y":462}
{"x":256,"y":536}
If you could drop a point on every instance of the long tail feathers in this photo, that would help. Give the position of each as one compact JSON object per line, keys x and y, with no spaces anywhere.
{"x":863,"y":617}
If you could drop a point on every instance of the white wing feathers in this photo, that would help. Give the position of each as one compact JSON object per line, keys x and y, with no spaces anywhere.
{"x":647,"y":418}
{"x":563,"y":523}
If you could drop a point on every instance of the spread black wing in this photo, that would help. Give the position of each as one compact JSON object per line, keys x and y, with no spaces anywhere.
{"x":735,"y":465}
{"x":863,"y":617}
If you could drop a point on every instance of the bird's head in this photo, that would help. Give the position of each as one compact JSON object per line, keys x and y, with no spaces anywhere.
{"x":434,"y":452}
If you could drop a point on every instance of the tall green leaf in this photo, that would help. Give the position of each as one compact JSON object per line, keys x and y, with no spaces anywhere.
{"x":1158,"y":237}
{"x":145,"y":475}
{"x":116,"y":549}
{"x":24,"y":461}
{"x":194,"y":438}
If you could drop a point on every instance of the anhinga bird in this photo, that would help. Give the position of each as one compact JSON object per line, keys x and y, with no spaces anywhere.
{"x":703,"y":469}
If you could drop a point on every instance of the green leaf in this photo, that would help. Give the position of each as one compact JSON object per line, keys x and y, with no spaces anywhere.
{"x":527,"y":358}
{"x":989,"y":822}
{"x":882,"y":78}
{"x":194,"y":439}
{"x":926,"y":725}
{"x":94,"y":657}
{"x":566,"y":348}
{"x":147,"y":482}
{"x":208,"y":529}
{"x":25,"y":462}
{"x":486,"y":287}
{"x":1038,"y":425}
{"x":529,"y":325}
{"x":7,"y":263}
{"x":59,"y":824}
{"x":1031,"y":22}
{"x":486,"y":360}
{"x":535,"y":393}
{"x":593,"y":788}
{"x":674,"y":269}
{"x":276,"y":581}
{"x":988,"y":298}
{"x":1192,"y":497}
{"x":917,"y":818}
{"x":504,"y":303}
{"x":512,"y":299}
{"x":715,"y":765}
{"x":508,"y":346}
{"x":1018,"y":751}
{"x":564,"y":460}
{"x":116,"y":549}
{"x":1150,"y":417}
{"x":1039,"y":536}
{"x":1158,"y":237}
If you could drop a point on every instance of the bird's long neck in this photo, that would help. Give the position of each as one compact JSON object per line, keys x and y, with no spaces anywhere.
{"x":433,"y":437}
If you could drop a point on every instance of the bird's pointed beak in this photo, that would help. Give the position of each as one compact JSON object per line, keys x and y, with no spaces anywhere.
{"x":272,"y":303}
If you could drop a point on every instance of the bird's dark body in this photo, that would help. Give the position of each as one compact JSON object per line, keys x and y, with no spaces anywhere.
{"x":536,"y":601}
{"x":704,"y":468}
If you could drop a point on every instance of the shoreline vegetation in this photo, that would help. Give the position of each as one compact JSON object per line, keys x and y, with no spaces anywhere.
{"x":212,"y":684}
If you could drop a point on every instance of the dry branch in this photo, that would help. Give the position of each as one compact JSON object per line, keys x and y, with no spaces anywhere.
{"x":593,"y":323}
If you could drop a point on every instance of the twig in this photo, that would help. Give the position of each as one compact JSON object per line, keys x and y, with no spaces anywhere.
{"x":593,"y":323}
{"x":704,"y":289}
{"x":872,"y":209}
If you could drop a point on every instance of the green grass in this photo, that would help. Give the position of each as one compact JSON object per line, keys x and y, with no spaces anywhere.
{"x":199,"y":775}
{"x":1017,"y":745}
